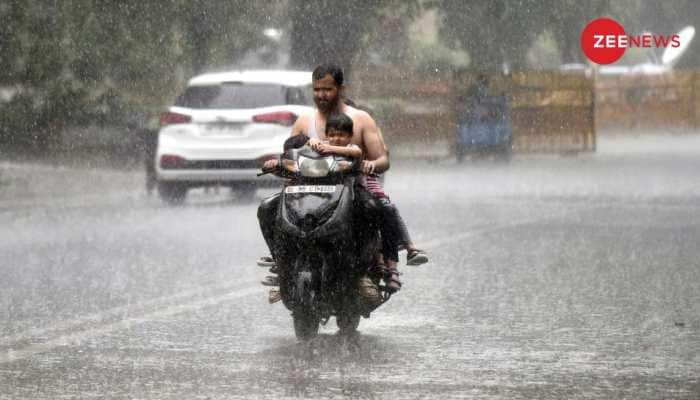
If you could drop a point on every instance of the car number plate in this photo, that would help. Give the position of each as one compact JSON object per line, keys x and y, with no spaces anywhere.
{"x":310,"y":189}
{"x":225,"y":130}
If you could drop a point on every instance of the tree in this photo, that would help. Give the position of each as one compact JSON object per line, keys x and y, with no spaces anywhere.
{"x":221,"y":32}
{"x":86,"y":59}
{"x":327,"y":30}
{"x":12,"y":20}
{"x":667,"y":18}
{"x":566,"y":19}
{"x":334,"y":30}
{"x":501,"y":32}
{"x":494,"y":33}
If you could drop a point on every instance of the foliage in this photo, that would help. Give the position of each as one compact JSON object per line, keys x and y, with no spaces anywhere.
{"x":96,"y":60}
{"x":85,"y":59}
{"x":501,"y":32}
{"x":335,"y":30}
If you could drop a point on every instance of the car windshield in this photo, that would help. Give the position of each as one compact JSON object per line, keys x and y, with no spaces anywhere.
{"x":239,"y":95}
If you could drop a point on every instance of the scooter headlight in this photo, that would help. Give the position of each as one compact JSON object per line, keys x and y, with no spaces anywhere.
{"x":342,"y":166}
{"x":290,"y":165}
{"x":312,"y":168}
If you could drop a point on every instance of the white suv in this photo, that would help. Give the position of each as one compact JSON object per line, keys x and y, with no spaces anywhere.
{"x":224,"y":126}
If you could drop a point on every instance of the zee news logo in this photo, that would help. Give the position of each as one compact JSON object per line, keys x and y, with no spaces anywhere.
{"x":624,"y":41}
{"x":604,"y":41}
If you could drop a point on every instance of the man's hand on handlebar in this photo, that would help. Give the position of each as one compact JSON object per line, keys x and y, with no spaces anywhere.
{"x":314,"y":143}
{"x":270,"y":165}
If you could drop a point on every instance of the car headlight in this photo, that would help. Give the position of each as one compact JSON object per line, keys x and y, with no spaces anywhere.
{"x":314,"y":168}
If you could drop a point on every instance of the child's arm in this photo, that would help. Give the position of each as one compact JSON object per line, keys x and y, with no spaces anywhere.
{"x":352,"y":151}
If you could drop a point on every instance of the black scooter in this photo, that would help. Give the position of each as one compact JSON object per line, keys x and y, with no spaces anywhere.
{"x":325,"y":244}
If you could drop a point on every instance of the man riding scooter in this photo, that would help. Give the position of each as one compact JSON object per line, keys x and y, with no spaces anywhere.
{"x":327,"y":92}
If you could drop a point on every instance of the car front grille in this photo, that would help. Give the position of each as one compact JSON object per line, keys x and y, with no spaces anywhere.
{"x":216,"y":164}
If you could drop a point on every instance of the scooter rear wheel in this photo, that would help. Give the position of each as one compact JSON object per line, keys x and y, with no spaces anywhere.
{"x":347,"y":323}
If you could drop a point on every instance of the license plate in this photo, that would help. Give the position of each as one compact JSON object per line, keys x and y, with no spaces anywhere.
{"x":310,"y":189}
{"x":224,"y":130}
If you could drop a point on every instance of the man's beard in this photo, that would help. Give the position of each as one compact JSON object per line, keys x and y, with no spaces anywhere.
{"x":328,"y":105}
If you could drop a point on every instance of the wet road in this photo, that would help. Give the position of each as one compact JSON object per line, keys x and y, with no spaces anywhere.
{"x":551,"y":277}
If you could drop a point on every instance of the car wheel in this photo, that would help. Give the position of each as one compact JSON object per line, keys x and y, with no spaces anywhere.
{"x":150,"y":143}
{"x":172,"y":193}
{"x":243,"y":192}
{"x":151,"y":180}
{"x":460,"y":155}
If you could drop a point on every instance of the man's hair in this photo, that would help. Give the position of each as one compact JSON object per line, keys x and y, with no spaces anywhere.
{"x":339,"y":122}
{"x":328,"y":69}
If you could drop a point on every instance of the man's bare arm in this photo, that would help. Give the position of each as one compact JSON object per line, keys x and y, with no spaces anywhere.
{"x":299,"y":126}
{"x":379,"y":165}
{"x":377,"y":153}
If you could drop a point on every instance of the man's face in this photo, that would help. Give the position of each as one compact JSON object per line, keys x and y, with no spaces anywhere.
{"x":326,"y":93}
{"x":338,"y":138}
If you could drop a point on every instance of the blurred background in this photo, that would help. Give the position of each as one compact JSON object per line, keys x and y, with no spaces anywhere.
{"x":95,"y":75}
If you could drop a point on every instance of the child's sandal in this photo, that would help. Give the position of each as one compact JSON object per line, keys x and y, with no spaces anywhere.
{"x":393,"y":284}
{"x":416,"y":257}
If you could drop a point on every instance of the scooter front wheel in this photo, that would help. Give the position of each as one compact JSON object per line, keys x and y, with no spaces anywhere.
{"x":305,"y":325}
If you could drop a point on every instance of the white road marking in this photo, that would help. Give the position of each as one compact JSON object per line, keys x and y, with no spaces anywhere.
{"x":439,"y":242}
{"x":116,"y":312}
{"x":78,"y":337}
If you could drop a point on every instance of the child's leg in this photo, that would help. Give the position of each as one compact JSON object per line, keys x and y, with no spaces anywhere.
{"x":390,"y":243}
{"x":390,"y":232}
{"x":415,"y":256}
{"x":404,"y":238}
